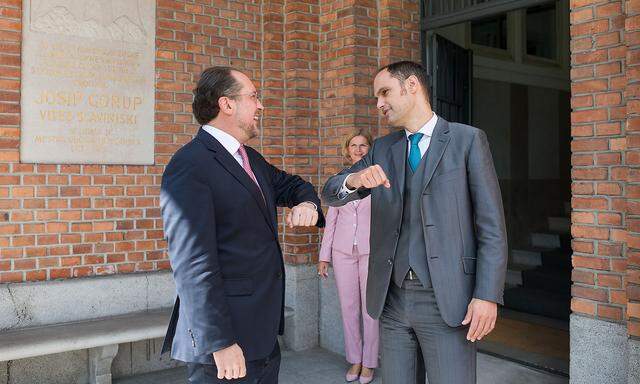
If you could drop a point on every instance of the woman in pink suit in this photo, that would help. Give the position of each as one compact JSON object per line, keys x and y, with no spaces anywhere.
{"x":345,"y":244}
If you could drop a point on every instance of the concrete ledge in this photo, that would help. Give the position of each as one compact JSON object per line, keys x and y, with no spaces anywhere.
{"x":90,"y":334}
{"x":52,"y":302}
{"x":331,"y":329}
{"x":599,"y":351}
{"x":634,"y":361}
{"x":301,"y":295}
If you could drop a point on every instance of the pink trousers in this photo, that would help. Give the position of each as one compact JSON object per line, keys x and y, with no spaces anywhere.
{"x":351,"y":280}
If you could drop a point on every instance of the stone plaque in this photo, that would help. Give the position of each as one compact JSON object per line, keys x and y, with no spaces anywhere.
{"x":88,"y":71}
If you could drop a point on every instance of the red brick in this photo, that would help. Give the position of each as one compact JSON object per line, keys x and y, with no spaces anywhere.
{"x":608,"y":189}
{"x":590,"y":293}
{"x":591,"y":262}
{"x":581,"y":276}
{"x":589,"y":174}
{"x":608,"y":99}
{"x":633,"y":310}
{"x":582,"y":188}
{"x":605,"y":129}
{"x":609,"y":281}
{"x":609,"y":219}
{"x":586,"y":307}
{"x":60,"y":273}
{"x":612,"y":158}
{"x":592,"y":115}
{"x":590,"y":232}
{"x":610,"y":312}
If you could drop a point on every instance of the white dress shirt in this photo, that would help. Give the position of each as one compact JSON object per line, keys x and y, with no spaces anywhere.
{"x":232,"y":145}
{"x":423,"y":144}
{"x":427,"y":132}
{"x":228,"y":142}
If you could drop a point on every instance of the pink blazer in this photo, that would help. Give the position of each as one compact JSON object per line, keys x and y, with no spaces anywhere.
{"x":345,"y":223}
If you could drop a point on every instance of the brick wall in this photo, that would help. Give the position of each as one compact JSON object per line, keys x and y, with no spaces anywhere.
{"x":314,"y":63}
{"x":632,"y":159}
{"x":598,"y":82}
{"x":604,"y":53}
{"x":62,"y":221}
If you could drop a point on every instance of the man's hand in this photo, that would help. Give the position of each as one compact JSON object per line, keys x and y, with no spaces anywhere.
{"x":323,"y":269}
{"x":369,"y":177}
{"x":302,"y":215}
{"x":482,"y":315}
{"x":230,"y":363}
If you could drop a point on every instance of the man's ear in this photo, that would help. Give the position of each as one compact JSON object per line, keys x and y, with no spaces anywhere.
{"x":412,"y":84}
{"x":226,"y":105}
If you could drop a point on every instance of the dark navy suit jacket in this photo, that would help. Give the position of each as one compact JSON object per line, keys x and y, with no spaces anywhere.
{"x":224,"y":251}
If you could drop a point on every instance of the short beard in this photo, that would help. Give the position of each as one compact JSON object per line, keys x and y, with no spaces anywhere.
{"x":248,"y":130}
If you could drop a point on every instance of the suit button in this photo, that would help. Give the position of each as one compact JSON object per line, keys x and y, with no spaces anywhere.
{"x":279,"y":275}
{"x":390,"y":262}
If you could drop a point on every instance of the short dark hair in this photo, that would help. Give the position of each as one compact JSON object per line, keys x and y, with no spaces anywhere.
{"x":214,"y":83}
{"x":401,"y":70}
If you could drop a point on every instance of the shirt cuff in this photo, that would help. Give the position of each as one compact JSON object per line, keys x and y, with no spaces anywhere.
{"x":312,"y":203}
{"x":344,"y":191}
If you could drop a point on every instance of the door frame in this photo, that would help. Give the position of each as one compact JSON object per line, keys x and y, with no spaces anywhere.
{"x":471,"y":12}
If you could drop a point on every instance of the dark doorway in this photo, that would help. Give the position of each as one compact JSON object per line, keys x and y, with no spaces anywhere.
{"x":516,"y":89}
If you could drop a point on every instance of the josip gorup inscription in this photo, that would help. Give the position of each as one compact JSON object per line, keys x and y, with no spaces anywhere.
{"x":88,"y":81}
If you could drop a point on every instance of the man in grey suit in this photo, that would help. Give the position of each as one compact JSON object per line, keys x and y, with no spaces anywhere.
{"x":438,"y":241}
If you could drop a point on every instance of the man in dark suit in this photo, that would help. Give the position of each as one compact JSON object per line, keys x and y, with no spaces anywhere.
{"x":219,"y":199}
{"x":438,"y":242}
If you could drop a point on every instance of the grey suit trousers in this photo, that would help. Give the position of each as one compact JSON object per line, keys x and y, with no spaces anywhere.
{"x":411,"y":319}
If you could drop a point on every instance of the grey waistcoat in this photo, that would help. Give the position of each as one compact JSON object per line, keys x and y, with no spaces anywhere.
{"x":411,"y":250}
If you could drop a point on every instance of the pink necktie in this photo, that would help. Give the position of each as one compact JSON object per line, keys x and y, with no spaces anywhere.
{"x":247,"y":167}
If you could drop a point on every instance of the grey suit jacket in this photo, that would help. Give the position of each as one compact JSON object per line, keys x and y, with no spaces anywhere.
{"x":462,"y":217}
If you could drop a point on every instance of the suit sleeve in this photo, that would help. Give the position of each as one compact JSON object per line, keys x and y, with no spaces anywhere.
{"x":291,"y":190}
{"x":491,"y":265}
{"x":188,"y":214}
{"x":327,"y":237}
{"x":331,"y":194}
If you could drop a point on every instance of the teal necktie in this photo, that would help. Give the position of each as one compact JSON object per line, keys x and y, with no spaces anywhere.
{"x":414,"y":151}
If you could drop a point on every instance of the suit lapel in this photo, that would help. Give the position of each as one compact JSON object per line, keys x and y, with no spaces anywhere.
{"x":398,"y":152}
{"x":437,"y":146}
{"x":230,"y":164}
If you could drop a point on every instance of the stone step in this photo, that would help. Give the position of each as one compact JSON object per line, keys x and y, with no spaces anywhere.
{"x":550,"y":240}
{"x":545,"y":240}
{"x":559,"y":224}
{"x":528,"y":257}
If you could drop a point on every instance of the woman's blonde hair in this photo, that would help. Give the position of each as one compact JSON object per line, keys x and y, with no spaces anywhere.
{"x":355,"y":133}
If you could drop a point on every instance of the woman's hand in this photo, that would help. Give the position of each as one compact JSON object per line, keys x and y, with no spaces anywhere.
{"x":323,"y":269}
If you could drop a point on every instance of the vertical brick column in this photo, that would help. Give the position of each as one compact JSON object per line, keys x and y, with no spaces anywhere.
{"x":349,"y":58}
{"x":399,"y":31}
{"x":10,"y":39}
{"x":301,"y":144}
{"x":632,"y":158}
{"x":272,"y":85}
{"x":599,"y":173}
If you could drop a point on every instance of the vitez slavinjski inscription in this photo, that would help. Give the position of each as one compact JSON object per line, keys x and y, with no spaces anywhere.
{"x":88,"y":81}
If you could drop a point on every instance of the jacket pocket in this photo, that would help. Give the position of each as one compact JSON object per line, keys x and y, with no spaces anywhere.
{"x":238,"y":287}
{"x":469,"y":264}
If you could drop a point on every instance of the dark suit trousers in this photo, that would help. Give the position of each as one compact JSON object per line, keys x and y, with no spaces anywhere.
{"x":411,"y":320}
{"x":262,"y":371}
